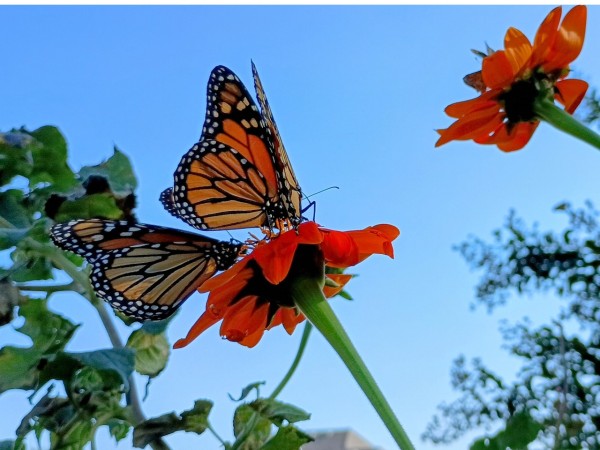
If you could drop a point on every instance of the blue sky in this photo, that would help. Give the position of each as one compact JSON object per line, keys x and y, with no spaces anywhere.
{"x":357,"y":93}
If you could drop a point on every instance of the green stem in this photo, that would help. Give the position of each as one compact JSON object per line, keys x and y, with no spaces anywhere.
{"x":49,"y":289}
{"x":254,"y":419}
{"x":559,"y":118}
{"x":305,"y":334}
{"x":215,"y":434}
{"x":5,"y":223}
{"x":309,"y":298}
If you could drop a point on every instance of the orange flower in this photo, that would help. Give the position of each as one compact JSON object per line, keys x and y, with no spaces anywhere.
{"x":514,"y":78}
{"x":254,"y":295}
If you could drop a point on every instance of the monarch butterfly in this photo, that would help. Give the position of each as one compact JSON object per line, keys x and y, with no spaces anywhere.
{"x":238,"y":175}
{"x":145,"y":271}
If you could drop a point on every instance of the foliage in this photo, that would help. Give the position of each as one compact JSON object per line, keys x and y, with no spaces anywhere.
{"x":77,"y":393}
{"x":554,"y":401}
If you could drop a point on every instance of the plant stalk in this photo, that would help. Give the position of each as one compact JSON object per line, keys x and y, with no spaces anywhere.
{"x":309,"y":298}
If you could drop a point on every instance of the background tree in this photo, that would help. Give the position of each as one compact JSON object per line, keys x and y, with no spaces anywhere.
{"x":554,"y":401}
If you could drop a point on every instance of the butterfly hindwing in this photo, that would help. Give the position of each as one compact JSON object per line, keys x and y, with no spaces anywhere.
{"x":145,"y":271}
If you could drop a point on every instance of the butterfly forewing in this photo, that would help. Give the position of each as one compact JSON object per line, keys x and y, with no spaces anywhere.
{"x":233,"y":177}
{"x":145,"y":271}
{"x":289,"y":186}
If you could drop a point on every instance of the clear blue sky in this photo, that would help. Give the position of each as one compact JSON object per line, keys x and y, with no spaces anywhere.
{"x":357,"y":93}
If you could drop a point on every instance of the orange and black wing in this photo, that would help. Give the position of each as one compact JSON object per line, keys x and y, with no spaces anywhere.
{"x":145,"y":271}
{"x":289,"y":189}
{"x":230,"y":179}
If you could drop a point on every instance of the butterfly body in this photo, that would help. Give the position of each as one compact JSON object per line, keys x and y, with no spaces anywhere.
{"x":145,"y":271}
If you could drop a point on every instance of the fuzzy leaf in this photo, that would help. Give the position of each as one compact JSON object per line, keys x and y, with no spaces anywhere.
{"x":151,"y":352}
{"x":287,"y":438}
{"x":50,"y":160}
{"x":260,"y":432}
{"x":194,"y":420}
{"x":277,"y":411}
{"x":117,"y":170}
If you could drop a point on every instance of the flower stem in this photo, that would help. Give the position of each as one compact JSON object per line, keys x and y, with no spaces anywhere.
{"x":305,"y":334}
{"x":559,"y":118}
{"x":254,"y":419}
{"x":309,"y":298}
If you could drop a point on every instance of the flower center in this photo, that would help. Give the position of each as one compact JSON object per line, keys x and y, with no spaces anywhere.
{"x":518,"y":101}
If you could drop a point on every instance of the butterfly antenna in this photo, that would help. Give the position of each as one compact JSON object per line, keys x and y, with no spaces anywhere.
{"x":307,"y":197}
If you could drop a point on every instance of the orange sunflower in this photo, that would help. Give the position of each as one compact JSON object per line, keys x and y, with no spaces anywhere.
{"x":515,"y":79}
{"x":254,"y":295}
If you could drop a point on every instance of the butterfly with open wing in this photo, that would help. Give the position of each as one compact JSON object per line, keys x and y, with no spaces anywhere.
{"x":145,"y":271}
{"x":238,"y":175}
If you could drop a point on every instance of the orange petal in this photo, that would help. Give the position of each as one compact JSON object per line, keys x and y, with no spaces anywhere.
{"x":205,"y":321}
{"x":244,"y":319}
{"x":497,"y":70}
{"x":569,"y":40}
{"x":221,"y":297}
{"x":275,"y":257}
{"x":290,"y":318}
{"x":339,"y":248}
{"x":459,"y":109}
{"x":252,"y":339}
{"x":545,"y":36}
{"x":518,"y":49}
{"x":519,"y":136}
{"x":570,"y":93}
{"x":477,"y":123}
{"x":224,"y":277}
{"x":390,"y":231}
{"x":309,"y":233}
{"x":341,"y":279}
{"x":372,"y":240}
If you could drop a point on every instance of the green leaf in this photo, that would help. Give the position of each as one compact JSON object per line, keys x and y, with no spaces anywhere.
{"x":155,"y":428}
{"x":101,"y":205}
{"x":121,"y":361}
{"x":15,"y":156}
{"x":194,"y":420}
{"x":277,"y":411}
{"x":151,"y":352}
{"x":30,"y":266}
{"x":49,"y":332}
{"x":10,"y":296}
{"x":12,"y":209}
{"x":117,"y":170}
{"x":20,"y":367}
{"x":261,"y":429}
{"x":119,"y":429}
{"x":157,"y":326}
{"x":74,"y":437}
{"x":287,"y":438}
{"x":50,"y":160}
{"x":247,"y":390}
